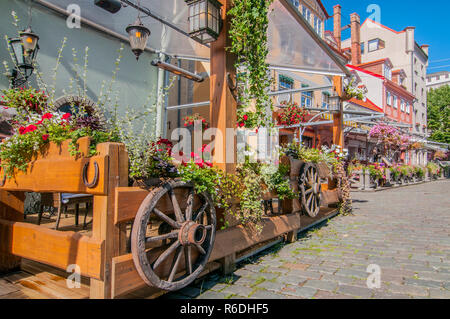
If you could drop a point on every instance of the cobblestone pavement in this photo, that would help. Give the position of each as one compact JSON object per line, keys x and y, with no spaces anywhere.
{"x":405,"y":231}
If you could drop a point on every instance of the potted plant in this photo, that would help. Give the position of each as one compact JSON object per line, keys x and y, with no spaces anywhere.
{"x":290,"y":114}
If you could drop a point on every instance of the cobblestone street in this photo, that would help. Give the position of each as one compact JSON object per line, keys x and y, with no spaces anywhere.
{"x":405,"y":231}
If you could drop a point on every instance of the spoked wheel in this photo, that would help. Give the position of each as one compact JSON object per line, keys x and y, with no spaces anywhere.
{"x":310,"y":189}
{"x":170,"y":249}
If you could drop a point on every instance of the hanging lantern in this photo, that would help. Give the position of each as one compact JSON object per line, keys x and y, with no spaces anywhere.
{"x":204,"y":19}
{"x":29,"y":41}
{"x":24,"y":51}
{"x":335,"y":102}
{"x":138,"y":34}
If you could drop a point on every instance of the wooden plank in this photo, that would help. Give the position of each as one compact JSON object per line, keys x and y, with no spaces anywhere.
{"x":11,"y":208}
{"x":129,"y":199}
{"x":330,"y":197}
{"x":103,"y":227}
{"x":60,"y":175}
{"x":52,"y":247}
{"x":125,"y":277}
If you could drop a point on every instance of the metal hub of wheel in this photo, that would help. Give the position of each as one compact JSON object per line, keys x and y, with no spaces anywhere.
{"x":310,"y":189}
{"x":171,"y":248}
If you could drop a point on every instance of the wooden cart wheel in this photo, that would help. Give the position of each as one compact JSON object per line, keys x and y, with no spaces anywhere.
{"x":310,"y":189}
{"x":186,"y":237}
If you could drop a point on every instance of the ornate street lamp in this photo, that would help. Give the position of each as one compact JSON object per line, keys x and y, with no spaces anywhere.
{"x":205,"y":20}
{"x":138,"y":34}
{"x":24,"y":50}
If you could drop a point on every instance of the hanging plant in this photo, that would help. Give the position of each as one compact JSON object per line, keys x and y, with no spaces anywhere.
{"x":291,"y":114}
{"x":248,"y":34}
{"x":352,"y":90}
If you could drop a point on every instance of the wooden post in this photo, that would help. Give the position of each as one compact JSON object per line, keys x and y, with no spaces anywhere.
{"x":338,"y":118}
{"x":228,"y":264}
{"x":222,"y":103}
{"x":103,"y":227}
{"x":291,"y":237}
{"x":12,"y":209}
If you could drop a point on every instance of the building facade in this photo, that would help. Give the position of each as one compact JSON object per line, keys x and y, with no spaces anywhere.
{"x":409,"y":62}
{"x":437,"y":80}
{"x":314,"y":12}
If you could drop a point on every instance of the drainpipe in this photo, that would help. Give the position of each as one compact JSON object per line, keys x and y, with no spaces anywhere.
{"x":160,"y":103}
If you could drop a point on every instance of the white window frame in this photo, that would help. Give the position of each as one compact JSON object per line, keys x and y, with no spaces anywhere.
{"x":389,"y":99}
{"x":402,"y":105}
{"x":408,"y":108}
{"x":395,"y":102}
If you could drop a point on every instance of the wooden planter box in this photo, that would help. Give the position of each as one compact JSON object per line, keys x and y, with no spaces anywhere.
{"x":56,"y":171}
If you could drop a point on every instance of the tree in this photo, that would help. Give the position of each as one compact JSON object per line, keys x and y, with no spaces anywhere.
{"x":439,"y":114}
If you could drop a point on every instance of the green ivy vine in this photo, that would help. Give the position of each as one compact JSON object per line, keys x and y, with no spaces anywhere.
{"x":248,"y":34}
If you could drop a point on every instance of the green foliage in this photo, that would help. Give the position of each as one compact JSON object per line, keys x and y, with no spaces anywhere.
{"x":248,"y":34}
{"x":276,"y":180}
{"x":222,"y":187}
{"x":25,"y":100}
{"x":433,"y":168}
{"x":251,"y":201}
{"x":439,"y":114}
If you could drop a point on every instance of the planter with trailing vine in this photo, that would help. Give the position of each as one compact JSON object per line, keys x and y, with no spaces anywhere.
{"x":78,"y":167}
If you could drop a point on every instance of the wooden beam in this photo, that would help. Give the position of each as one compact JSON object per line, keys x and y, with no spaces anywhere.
{"x":222,"y":103}
{"x":338,"y":118}
{"x":103,"y":227}
{"x":11,"y":209}
{"x":129,"y":199}
{"x":51,"y":247}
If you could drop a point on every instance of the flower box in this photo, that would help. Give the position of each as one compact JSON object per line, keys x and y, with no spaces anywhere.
{"x":55,"y":169}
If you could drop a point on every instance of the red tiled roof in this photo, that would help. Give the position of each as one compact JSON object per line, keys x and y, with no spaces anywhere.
{"x":368,"y":104}
{"x":365,"y":71}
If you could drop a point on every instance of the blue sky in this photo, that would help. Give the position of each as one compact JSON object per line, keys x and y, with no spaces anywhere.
{"x":431,"y":21}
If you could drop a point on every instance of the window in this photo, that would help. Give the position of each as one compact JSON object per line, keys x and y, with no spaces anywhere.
{"x":325,"y":100}
{"x":318,"y":25}
{"x":362,"y":48}
{"x":285,"y":82}
{"x":387,"y":72}
{"x":306,"y":13}
{"x":389,"y":98}
{"x":395,"y":105}
{"x":376,"y":44}
{"x":408,"y":108}
{"x":296,"y":3}
{"x":306,"y":97}
{"x":402,"y":105}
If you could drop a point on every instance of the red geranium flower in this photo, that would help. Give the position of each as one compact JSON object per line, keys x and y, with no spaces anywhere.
{"x":30,"y":128}
{"x":245,"y":117}
{"x":66,"y":116}
{"x":45,"y":137}
{"x":22,"y":130}
{"x":47,"y":116}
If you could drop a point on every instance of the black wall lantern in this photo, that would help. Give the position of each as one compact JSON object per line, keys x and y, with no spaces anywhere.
{"x":24,"y":51}
{"x":205,"y":21}
{"x":138,"y":34}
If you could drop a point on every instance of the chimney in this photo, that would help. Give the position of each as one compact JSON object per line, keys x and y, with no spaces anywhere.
{"x":425,"y":48}
{"x":356,"y":38}
{"x":337,"y":17}
{"x":410,"y":39}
